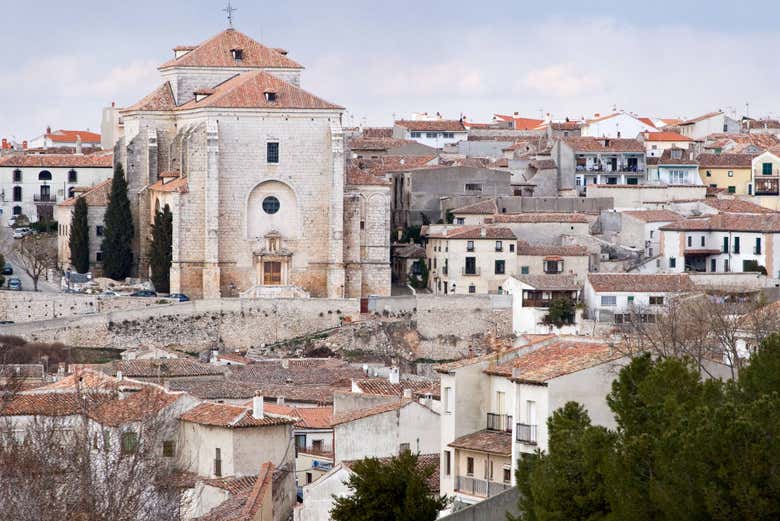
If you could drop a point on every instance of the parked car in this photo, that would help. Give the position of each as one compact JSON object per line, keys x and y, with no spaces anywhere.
{"x":8,"y":269}
{"x":15,"y":284}
{"x":6,"y":322}
{"x":144,"y":293}
{"x":181,"y":297}
{"x":22,"y":232}
{"x":109,"y":293}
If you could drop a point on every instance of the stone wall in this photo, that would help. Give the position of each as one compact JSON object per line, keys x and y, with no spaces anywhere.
{"x":30,"y":306}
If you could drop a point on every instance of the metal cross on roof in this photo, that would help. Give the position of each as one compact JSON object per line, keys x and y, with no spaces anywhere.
{"x":229,"y":10}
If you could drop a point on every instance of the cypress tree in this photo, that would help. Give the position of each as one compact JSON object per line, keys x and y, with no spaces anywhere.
{"x":79,"y":237}
{"x":161,"y":250}
{"x":118,"y":230}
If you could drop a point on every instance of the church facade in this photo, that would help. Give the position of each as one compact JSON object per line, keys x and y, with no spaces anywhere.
{"x":253,"y":169}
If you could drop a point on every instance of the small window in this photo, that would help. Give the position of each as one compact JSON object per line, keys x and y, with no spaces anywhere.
{"x":416,"y":134}
{"x":17,"y":210}
{"x":469,"y":466}
{"x":631,"y":299}
{"x":129,"y":442}
{"x":732,"y":189}
{"x":272,"y":152}
{"x":656,"y":300}
{"x":432,"y":135}
{"x":469,"y":245}
{"x":460,"y":220}
{"x":500,"y":267}
{"x":44,"y":175}
{"x":17,"y":176}
{"x":98,"y":256}
{"x":499,"y":246}
{"x":524,"y":270}
{"x":448,"y":135}
{"x":766,"y":169}
{"x":404,"y":447}
{"x":448,"y":399}
{"x":473,"y":187}
{"x":709,"y":173}
{"x":731,"y":173}
{"x":169,"y":449}
{"x":736,"y":244}
{"x":17,"y":195}
{"x":99,"y":230}
{"x":507,"y":475}
{"x":271,"y":205}
{"x":238,"y":54}
{"x":690,"y":241}
{"x":73,"y":176}
{"x":472,"y":289}
{"x":726,"y":265}
{"x":672,"y":262}
{"x":447,"y":467}
{"x":725,"y":244}
{"x":703,"y":241}
{"x":309,"y":478}
{"x":511,"y":247}
{"x":608,"y":300}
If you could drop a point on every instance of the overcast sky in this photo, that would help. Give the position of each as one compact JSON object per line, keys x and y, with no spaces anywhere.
{"x":63,"y":61}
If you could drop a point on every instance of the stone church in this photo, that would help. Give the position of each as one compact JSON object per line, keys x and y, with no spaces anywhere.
{"x":253,"y":169}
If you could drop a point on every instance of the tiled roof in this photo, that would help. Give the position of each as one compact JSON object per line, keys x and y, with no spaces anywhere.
{"x":165,"y":368}
{"x":381,"y":165}
{"x":359,"y":414}
{"x":769,"y":223}
{"x":313,"y":417}
{"x":595,"y":144}
{"x":634,"y":282}
{"x":136,"y":406}
{"x":540,"y":218}
{"x":71,"y":136}
{"x":684,"y":159}
{"x":725,"y":160}
{"x":230,"y":416}
{"x":317,"y":394}
{"x":654,"y":216}
{"x":216,"y":52}
{"x":248,"y":90}
{"x":494,"y":442}
{"x":226,"y":389}
{"x":476,"y":232}
{"x":700,"y":118}
{"x":566,"y":125}
{"x":408,"y":251}
{"x":159,"y":99}
{"x":569,"y":250}
{"x":300,"y":371}
{"x":95,"y":160}
{"x":378,"y":132}
{"x":736,"y":206}
{"x":665,"y":136}
{"x":22,"y":371}
{"x":233,"y":485}
{"x":95,"y":196}
{"x":46,"y":404}
{"x":180,"y":184}
{"x":555,"y":359}
{"x":543,"y":164}
{"x":551,"y":282}
{"x":488,"y":207}
{"x":379,"y":143}
{"x":439,"y":125}
{"x":382,"y":386}
{"x":358,"y":177}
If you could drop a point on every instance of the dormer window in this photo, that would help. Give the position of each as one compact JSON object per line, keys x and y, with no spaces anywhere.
{"x":270,"y":96}
{"x":238,"y":54}
{"x":676,"y":154}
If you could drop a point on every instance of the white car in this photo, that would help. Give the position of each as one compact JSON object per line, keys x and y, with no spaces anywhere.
{"x":22,"y":232}
{"x":11,"y":222}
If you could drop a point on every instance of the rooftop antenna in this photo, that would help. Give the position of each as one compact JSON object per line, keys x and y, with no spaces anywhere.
{"x":229,"y":10}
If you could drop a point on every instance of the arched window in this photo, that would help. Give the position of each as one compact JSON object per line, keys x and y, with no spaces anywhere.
{"x":17,"y":210}
{"x":17,"y":193}
{"x":73,"y":176}
{"x":44,"y":175}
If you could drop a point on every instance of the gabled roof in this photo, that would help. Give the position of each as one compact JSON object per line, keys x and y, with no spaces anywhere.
{"x":382,"y":386}
{"x":541,"y":217}
{"x":563,"y":250}
{"x":96,"y":160}
{"x":635,"y":282}
{"x":438,"y":125}
{"x":159,"y":99}
{"x":708,"y":160}
{"x":700,"y":118}
{"x":494,"y":442}
{"x":180,"y":185}
{"x":665,"y":136}
{"x":248,"y":90}
{"x":548,"y":282}
{"x":358,"y":177}
{"x":359,"y":414}
{"x":164,"y":368}
{"x":487,"y":207}
{"x":686,"y":157}
{"x":216,"y":52}
{"x":475,"y":232}
{"x":654,"y":216}
{"x":600,"y":144}
{"x":736,"y":206}
{"x":230,"y":416}
{"x":555,"y":359}
{"x":71,"y":136}
{"x":95,"y":196}
{"x":736,"y":222}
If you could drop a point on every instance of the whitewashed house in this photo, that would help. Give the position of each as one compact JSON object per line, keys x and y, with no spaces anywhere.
{"x":617,"y":125}
{"x":436,"y":133}
{"x":640,"y":229}
{"x":532,"y":296}
{"x":700,"y":127}
{"x":613,"y":297}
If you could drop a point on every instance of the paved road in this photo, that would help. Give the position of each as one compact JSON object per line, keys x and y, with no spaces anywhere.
{"x":7,"y":249}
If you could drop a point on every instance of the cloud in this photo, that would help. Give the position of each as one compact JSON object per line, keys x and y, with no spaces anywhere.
{"x":563,"y":80}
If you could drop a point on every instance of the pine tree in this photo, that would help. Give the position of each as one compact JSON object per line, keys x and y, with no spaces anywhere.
{"x":79,"y":237}
{"x":161,"y":250}
{"x":118,"y":230}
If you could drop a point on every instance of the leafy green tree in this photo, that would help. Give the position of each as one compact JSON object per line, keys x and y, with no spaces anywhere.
{"x":118,"y":230}
{"x":419,"y":278}
{"x":161,"y":250}
{"x":392,"y":490}
{"x":561,"y":312}
{"x":79,"y":236}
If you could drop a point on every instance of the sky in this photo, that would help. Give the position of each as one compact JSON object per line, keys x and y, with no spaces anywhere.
{"x":63,"y":61}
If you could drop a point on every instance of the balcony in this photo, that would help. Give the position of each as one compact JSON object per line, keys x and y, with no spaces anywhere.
{"x":44,"y":198}
{"x":479,"y":487}
{"x":470,"y":272}
{"x":767,"y":186}
{"x":321,"y":451}
{"x":525,"y":433}
{"x":499,"y":422}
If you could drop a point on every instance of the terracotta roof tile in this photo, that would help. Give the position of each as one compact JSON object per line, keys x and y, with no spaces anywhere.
{"x":476,"y":232}
{"x":313,"y":417}
{"x":439,"y":125}
{"x":549,"y":282}
{"x":487,"y":207}
{"x":654,"y":216}
{"x":95,"y":196}
{"x":159,"y":99}
{"x":725,"y":160}
{"x":594,"y":144}
{"x":166,"y":368}
{"x":540,"y":218}
{"x":769,"y":223}
{"x":95,"y":160}
{"x":665,"y":136}
{"x":216,"y":52}
{"x":552,"y":360}
{"x":70,"y":136}
{"x":180,"y":184}
{"x":230,"y":416}
{"x":248,"y":90}
{"x":684,"y":159}
{"x":494,"y":442}
{"x":358,"y":177}
{"x":214,"y":389}
{"x":233,"y":485}
{"x":736,"y":206}
{"x":382,"y":386}
{"x":633,"y":282}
